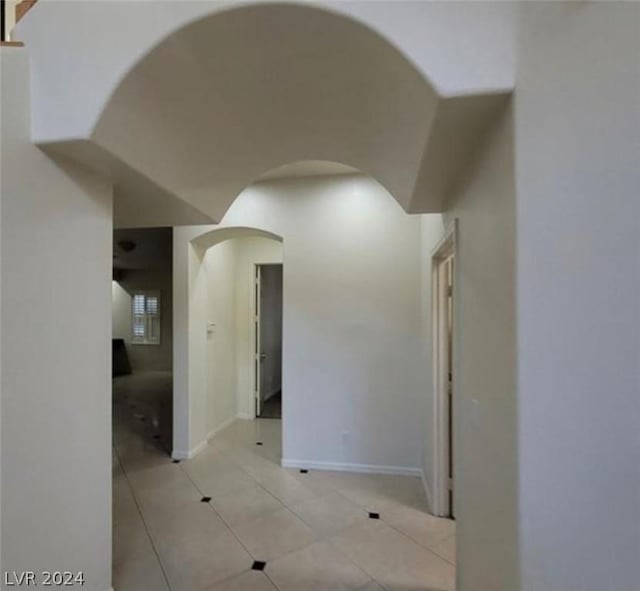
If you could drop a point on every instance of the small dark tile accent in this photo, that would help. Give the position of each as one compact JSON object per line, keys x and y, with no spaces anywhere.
{"x":176,"y":461}
{"x":205,"y":499}
{"x":374,"y":515}
{"x":258,"y":565}
{"x":258,"y":442}
{"x":303,"y":471}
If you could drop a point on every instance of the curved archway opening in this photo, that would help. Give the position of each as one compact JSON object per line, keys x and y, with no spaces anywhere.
{"x":349,"y":296}
{"x":238,"y":103}
{"x":216,"y":376}
{"x":211,"y":238}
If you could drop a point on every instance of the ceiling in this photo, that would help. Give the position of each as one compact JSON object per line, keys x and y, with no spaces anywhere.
{"x":152,"y":248}
{"x":307,"y":168}
{"x":183,"y":116}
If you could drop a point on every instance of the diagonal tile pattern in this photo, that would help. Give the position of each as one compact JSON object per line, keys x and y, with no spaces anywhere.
{"x":307,"y":531}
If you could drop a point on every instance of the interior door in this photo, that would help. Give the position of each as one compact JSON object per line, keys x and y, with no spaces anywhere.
{"x":449,"y":274}
{"x":269,"y":331}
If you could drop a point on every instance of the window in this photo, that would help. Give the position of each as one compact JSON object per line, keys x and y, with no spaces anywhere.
{"x":145,"y":314}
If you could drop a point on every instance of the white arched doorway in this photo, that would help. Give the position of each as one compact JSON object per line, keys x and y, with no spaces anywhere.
{"x":214,"y":369}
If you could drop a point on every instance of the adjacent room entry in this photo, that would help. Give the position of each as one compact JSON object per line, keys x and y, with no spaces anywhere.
{"x":443,"y":322}
{"x":268,"y":341}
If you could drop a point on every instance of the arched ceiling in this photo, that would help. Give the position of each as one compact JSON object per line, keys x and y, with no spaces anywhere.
{"x":212,"y":237}
{"x":307,"y":168}
{"x":208,"y":107}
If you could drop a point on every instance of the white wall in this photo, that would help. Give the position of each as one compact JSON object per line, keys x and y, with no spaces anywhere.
{"x":432,"y":230}
{"x":198,"y":427}
{"x":578,"y":256}
{"x":220,"y":346}
{"x":352,"y":356}
{"x":184,"y":275}
{"x":56,"y":307}
{"x":485,"y":437}
{"x":120,"y":312}
{"x":485,"y":454}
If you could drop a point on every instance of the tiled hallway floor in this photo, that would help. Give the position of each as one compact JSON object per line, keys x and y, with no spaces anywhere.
{"x":202,"y":524}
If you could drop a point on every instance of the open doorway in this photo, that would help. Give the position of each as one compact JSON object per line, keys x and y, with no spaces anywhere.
{"x":218,"y":312}
{"x":142,"y":340}
{"x":268,"y":341}
{"x":443,"y":322}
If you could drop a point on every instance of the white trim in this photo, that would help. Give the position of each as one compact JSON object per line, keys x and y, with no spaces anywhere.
{"x":219,"y":428}
{"x":146,"y":339}
{"x":445,"y":248}
{"x":345,"y":467}
{"x":192,"y":453}
{"x":177,"y":454}
{"x":245,"y":416}
{"x":427,"y":491}
{"x":448,"y":243}
{"x":256,"y":293}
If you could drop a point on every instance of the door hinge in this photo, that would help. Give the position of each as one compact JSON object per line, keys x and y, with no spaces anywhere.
{"x":450,"y":483}
{"x":449,"y":290}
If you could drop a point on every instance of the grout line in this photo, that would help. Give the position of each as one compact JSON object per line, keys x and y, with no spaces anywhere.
{"x":283,"y":506}
{"x":144,"y":523}
{"x":440,"y":543}
{"x":366,"y":507}
{"x":229,"y":526}
{"x":408,"y":537}
{"x":317,"y":537}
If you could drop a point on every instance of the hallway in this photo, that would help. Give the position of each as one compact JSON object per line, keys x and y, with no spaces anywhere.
{"x":202,"y":524}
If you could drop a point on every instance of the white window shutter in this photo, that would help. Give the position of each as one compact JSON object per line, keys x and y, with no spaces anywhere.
{"x":153,"y":318}
{"x":145,"y":312}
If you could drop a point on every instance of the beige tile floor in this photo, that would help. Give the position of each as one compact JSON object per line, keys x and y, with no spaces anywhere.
{"x":313,"y":530}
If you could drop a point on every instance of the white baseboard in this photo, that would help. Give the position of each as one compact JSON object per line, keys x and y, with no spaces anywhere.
{"x":219,"y":428}
{"x":427,"y":491}
{"x":193,"y":452}
{"x":245,"y":416}
{"x":345,"y":467}
{"x":178,"y":454}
